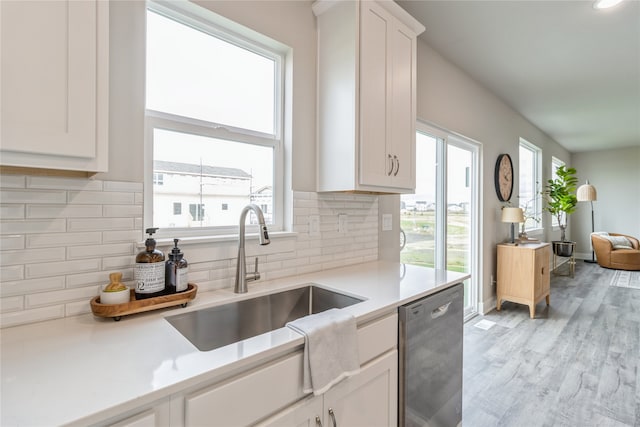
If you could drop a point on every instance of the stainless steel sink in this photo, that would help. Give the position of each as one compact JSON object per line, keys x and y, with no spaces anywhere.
{"x":218,"y":326}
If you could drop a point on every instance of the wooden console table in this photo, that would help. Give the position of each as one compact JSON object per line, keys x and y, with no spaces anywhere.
{"x":523,"y":274}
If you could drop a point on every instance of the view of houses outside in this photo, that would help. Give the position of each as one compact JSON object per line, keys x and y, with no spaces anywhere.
{"x":192,"y":191}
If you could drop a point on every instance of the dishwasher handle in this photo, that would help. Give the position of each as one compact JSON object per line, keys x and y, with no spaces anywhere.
{"x":440,"y":311}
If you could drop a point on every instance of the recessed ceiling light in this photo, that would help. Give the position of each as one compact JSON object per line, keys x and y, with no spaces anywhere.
{"x":605,"y":4}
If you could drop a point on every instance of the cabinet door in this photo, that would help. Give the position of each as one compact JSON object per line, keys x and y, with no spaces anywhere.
{"x":375,"y":163}
{"x":54,"y":76}
{"x":247,"y":398}
{"x":307,"y":413}
{"x":401,"y":143}
{"x":542,"y":276}
{"x":368,"y":399}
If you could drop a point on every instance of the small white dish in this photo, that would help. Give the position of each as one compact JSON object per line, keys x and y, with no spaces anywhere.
{"x":114,"y":297}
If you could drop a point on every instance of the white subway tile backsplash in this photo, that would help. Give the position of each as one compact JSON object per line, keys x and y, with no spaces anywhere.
{"x":12,"y":181}
{"x":118,"y":263}
{"x":97,"y":277}
{"x":50,"y":298}
{"x":56,"y":240}
{"x":91,"y":224}
{"x":139,"y":198}
{"x":31,"y":316}
{"x":24,"y":287}
{"x":63,"y":211}
{"x":21,"y":196}
{"x":103,"y":197}
{"x":13,"y":272}
{"x":59,"y":245}
{"x":122,"y":236}
{"x":46,"y":269}
{"x":197,"y":276}
{"x":129,"y":187}
{"x":95,"y":251}
{"x":12,"y":211}
{"x":33,"y":226}
{"x":11,"y":304}
{"x":59,"y":183}
{"x":15,"y":241}
{"x":122,"y":211}
{"x":31,"y":256}
{"x":77,"y":308}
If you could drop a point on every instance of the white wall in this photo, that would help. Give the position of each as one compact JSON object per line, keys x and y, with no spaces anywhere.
{"x":450,"y":99}
{"x":616,"y":176}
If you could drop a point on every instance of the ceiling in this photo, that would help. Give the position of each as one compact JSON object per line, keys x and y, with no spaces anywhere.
{"x":571,"y":70}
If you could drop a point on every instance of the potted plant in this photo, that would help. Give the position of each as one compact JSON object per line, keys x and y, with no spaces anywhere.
{"x":561,"y":202}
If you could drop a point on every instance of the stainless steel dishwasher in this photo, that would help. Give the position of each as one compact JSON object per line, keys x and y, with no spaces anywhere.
{"x":430,"y":360}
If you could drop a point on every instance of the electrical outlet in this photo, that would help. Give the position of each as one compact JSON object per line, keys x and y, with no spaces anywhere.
{"x":387,"y":222}
{"x":314,"y":225}
{"x":342,"y":223}
{"x":493,"y":282}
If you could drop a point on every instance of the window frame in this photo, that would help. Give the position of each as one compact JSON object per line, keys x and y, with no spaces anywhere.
{"x":536,"y":168}
{"x":207,"y":21}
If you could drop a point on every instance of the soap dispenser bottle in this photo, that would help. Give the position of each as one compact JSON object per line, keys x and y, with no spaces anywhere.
{"x":148,"y":272}
{"x":175,"y":274}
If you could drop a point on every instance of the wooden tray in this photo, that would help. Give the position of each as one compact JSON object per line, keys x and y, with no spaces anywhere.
{"x":116,"y":311}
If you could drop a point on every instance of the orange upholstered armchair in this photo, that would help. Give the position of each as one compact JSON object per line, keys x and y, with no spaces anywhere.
{"x":617,"y":251}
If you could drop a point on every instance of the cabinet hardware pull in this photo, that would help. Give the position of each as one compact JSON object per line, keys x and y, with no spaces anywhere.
{"x":391,"y":163}
{"x":397,"y":160}
{"x":318,"y":422}
{"x":333,"y":417}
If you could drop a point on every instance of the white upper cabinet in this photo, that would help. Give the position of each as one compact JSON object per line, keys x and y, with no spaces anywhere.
{"x":55,"y":84}
{"x":366,"y":96}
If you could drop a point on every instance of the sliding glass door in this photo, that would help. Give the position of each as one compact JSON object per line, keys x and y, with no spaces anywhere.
{"x":440,"y":219}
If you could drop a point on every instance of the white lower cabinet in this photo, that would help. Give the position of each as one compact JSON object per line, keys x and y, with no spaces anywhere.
{"x":270,"y":393}
{"x":367,"y":399}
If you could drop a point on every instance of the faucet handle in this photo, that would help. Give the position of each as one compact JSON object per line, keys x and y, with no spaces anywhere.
{"x":254,"y":275}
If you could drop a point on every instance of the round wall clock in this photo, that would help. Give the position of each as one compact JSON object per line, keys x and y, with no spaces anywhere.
{"x":504,"y":177}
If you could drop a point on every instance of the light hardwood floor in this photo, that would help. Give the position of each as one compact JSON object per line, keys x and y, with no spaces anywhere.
{"x":576,"y":364}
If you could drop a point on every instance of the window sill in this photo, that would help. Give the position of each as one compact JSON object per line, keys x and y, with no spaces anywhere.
{"x":535,"y":232}
{"x":223,"y":238}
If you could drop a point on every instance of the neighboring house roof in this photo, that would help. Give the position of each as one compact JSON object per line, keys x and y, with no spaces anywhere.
{"x":192,"y":169}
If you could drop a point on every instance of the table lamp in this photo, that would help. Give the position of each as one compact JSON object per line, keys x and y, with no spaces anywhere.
{"x":512,"y":215}
{"x":587,"y":193}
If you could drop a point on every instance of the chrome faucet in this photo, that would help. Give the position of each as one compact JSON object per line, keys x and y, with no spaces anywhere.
{"x":242,"y":277}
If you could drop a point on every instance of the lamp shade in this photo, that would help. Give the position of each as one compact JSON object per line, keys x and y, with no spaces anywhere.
{"x":586,"y":193}
{"x":512,"y":215}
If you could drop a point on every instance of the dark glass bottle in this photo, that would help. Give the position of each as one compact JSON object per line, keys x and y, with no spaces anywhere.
{"x":148,"y":272}
{"x":175,"y":275}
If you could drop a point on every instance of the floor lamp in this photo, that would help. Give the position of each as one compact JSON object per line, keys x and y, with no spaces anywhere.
{"x":587,"y":193}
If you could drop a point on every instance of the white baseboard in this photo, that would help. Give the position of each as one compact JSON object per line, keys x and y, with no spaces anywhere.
{"x":487,"y":305}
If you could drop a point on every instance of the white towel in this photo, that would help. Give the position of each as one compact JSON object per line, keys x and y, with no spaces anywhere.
{"x":330,"y":348}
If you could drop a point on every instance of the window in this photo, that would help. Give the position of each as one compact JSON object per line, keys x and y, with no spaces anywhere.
{"x":197,"y":212}
{"x":214,"y":122}
{"x":555,"y":164}
{"x":529,"y":175}
{"x":177,"y":208}
{"x":158,"y":179}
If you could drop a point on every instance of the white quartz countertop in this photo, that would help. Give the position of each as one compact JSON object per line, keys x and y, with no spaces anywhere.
{"x":79,"y":370}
